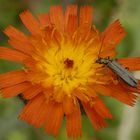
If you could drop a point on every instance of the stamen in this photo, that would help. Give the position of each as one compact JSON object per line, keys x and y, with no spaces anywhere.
{"x":68,"y":63}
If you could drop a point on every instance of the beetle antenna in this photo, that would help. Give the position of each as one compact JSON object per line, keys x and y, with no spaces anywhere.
{"x":102,"y":41}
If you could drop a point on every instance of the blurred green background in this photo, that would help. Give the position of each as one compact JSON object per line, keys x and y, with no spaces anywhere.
{"x":125,"y":125}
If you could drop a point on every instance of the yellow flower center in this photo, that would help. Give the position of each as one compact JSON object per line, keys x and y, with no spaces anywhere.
{"x":66,"y":66}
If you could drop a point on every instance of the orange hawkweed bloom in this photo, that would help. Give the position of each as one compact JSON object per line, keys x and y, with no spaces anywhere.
{"x":60,"y":70}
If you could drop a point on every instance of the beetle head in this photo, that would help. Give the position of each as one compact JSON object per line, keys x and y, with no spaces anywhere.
{"x":102,"y":60}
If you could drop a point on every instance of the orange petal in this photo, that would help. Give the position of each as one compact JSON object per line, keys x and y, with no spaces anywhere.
{"x":123,"y":95}
{"x":129,"y":60}
{"x":96,"y":120}
{"x":21,"y":46}
{"x":48,"y":91}
{"x":43,"y":113}
{"x":101,"y":108}
{"x":12,"y":78}
{"x":80,"y":95}
{"x":30,"y":22}
{"x":12,"y":55}
{"x":127,"y":98}
{"x":129,"y":89}
{"x":70,"y":10}
{"x":85,"y":21}
{"x":29,"y":63}
{"x":93,"y":38}
{"x":44,"y":19}
{"x":12,"y":32}
{"x":68,"y":105}
{"x":71,"y":19}
{"x":32,"y":91}
{"x":86,"y":18}
{"x":73,"y":123}
{"x":71,"y":25}
{"x":135,"y":90}
{"x":111,"y":52}
{"x":14,"y":90}
{"x":35,"y":112}
{"x":58,"y":95}
{"x":113,"y":35}
{"x":56,"y":17}
{"x":54,"y":119}
{"x":91,"y":92}
{"x":132,"y":63}
{"x":103,"y":90}
{"x":86,"y":15}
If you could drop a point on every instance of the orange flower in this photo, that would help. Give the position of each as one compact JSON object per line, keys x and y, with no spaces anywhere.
{"x":60,"y":71}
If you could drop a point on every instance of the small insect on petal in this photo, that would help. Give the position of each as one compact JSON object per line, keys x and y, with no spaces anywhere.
{"x":121,"y":72}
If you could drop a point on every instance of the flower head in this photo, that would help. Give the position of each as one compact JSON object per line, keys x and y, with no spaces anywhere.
{"x":60,"y":70}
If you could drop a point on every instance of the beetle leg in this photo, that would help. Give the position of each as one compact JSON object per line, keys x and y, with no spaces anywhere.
{"x":127,"y":68}
{"x":108,"y":57}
